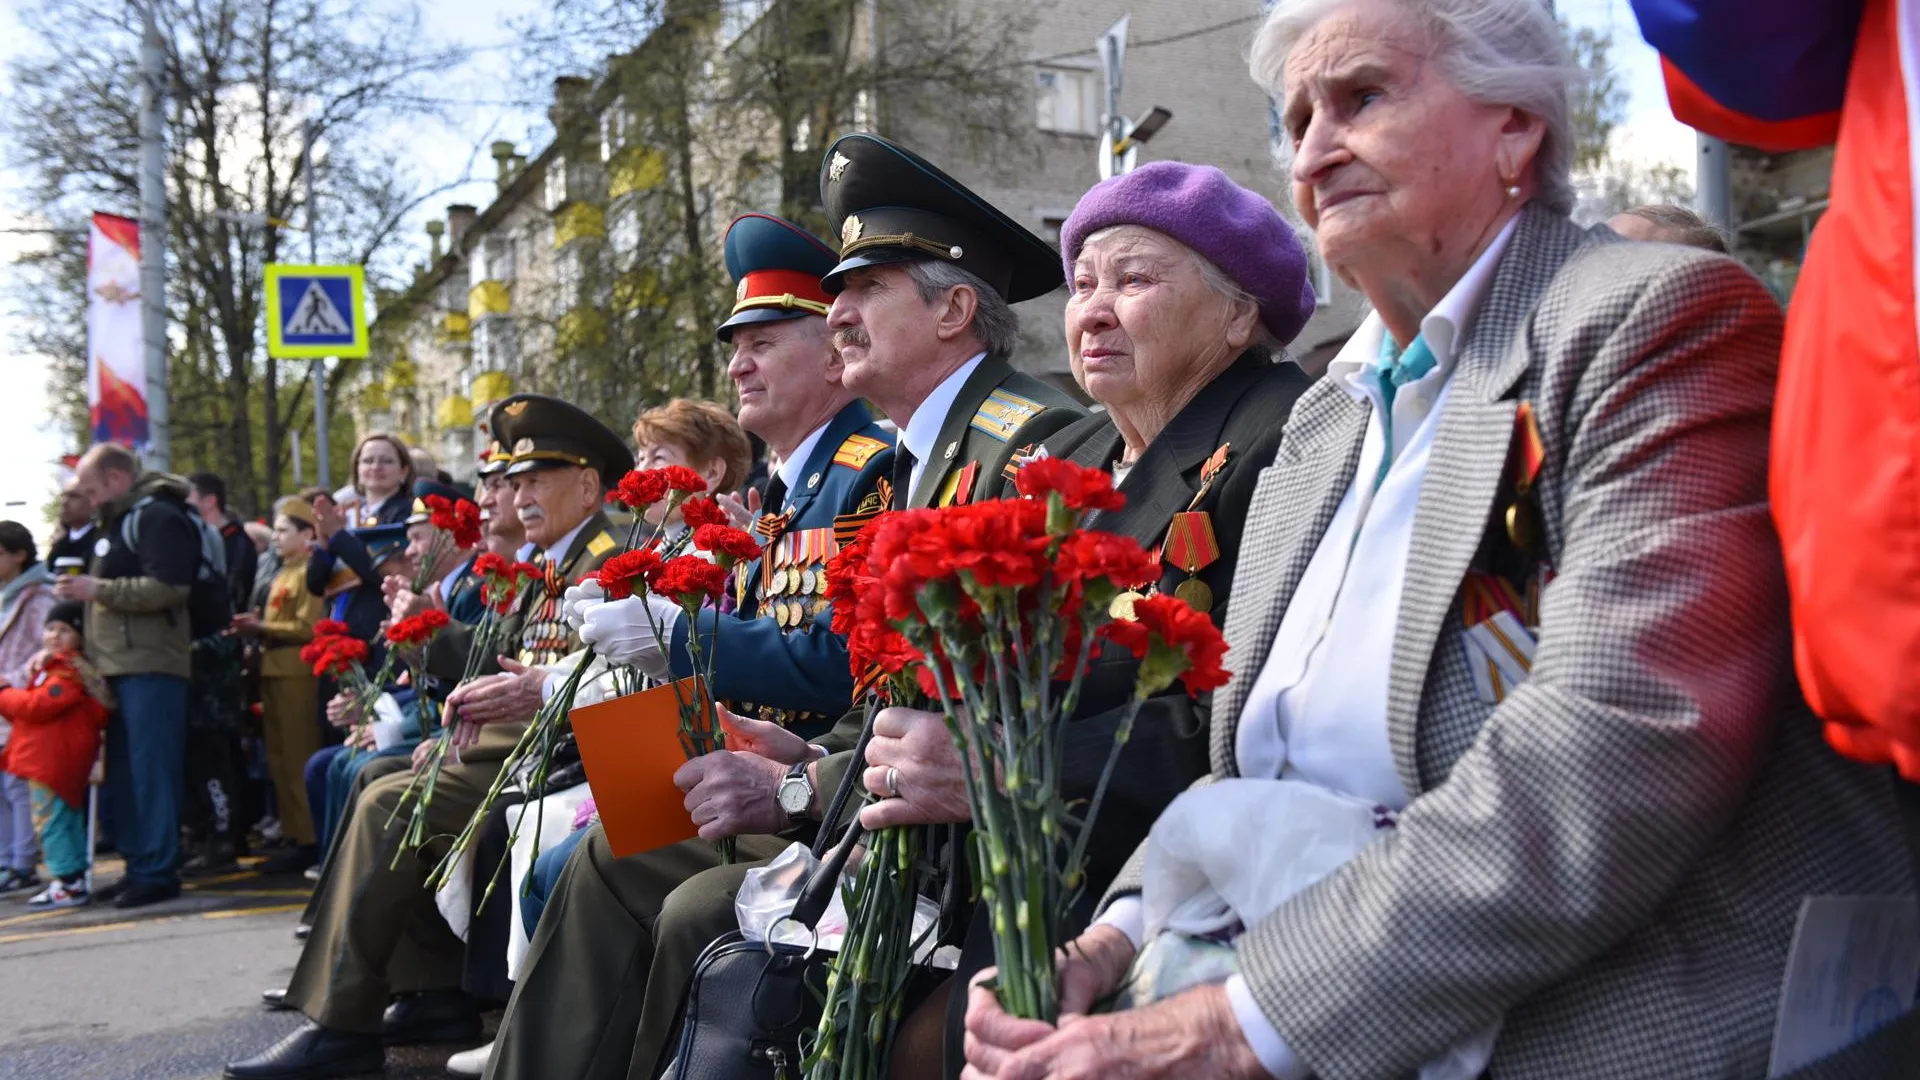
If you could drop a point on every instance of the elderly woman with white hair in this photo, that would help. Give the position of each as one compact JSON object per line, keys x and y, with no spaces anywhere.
{"x":1511,"y":776}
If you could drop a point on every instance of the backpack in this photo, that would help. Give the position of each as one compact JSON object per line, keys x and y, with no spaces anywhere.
{"x":209,"y":598}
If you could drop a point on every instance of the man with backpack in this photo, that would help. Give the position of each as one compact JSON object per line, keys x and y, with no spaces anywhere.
{"x":148,"y":577}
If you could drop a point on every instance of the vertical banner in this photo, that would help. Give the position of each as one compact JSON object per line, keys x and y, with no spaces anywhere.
{"x":116,"y":357}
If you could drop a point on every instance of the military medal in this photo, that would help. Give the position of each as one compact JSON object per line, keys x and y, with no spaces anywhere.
{"x":1122,"y":606}
{"x":1192,"y":546}
{"x":1523,"y":513}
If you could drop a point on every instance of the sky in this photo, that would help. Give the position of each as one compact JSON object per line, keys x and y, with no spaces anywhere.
{"x":30,"y":447}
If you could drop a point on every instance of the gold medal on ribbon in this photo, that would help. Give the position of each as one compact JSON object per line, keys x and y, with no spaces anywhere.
{"x":1122,"y":606}
{"x":1195,"y":594}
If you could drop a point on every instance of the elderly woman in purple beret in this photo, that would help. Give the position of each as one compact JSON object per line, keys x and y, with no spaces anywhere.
{"x":1185,"y":288}
{"x":1510,"y":777}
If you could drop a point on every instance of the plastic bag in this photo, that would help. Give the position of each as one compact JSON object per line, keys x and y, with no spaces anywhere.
{"x":769,"y":893}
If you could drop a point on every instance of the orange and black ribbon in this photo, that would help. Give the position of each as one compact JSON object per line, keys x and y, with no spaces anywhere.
{"x":770,"y":526}
{"x":1191,"y":544}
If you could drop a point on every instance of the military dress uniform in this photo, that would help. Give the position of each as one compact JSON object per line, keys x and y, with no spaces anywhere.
{"x":616,"y":945}
{"x":376,"y":931}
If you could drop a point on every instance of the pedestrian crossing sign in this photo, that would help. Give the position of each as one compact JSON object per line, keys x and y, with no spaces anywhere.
{"x":316,"y":311}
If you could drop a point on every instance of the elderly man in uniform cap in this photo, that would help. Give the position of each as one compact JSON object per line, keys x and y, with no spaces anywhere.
{"x":376,"y":931}
{"x":923,"y":328}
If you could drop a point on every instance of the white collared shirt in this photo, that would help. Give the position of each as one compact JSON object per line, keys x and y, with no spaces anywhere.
{"x":1318,"y":709}
{"x":923,"y":430}
{"x":790,"y":466}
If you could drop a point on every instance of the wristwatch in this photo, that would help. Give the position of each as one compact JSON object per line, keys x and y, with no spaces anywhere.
{"x":796,"y":792}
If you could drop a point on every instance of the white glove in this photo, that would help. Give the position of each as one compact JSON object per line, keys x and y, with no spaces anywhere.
{"x":622,"y":631}
{"x":580,"y":599}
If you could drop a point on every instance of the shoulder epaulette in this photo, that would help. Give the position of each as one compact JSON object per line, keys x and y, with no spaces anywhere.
{"x":600,"y":544}
{"x":1003,"y":412}
{"x":857,"y":450}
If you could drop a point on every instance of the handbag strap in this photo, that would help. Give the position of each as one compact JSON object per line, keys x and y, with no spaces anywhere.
{"x":819,"y":891}
{"x":837,"y":805}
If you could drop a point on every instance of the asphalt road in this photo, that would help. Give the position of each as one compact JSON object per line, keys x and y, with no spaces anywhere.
{"x":169,"y":992}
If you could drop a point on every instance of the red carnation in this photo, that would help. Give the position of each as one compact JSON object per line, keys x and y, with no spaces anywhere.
{"x":487,"y":564}
{"x":330,"y":628}
{"x":689,"y":579}
{"x":1079,"y":487}
{"x":528,"y":571}
{"x":639,"y":489}
{"x":728,"y":544}
{"x":1172,"y":640}
{"x":682,"y":479}
{"x":1086,"y":557}
{"x":434,"y":619}
{"x":618,"y":574}
{"x":698,"y":512}
{"x":340,"y":655}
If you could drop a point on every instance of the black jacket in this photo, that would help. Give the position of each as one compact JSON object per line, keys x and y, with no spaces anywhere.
{"x":1245,"y":410}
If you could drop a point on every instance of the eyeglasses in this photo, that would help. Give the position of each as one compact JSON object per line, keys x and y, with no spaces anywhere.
{"x":379,"y":461}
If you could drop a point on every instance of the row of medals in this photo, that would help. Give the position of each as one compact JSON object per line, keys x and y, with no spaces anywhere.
{"x":1194,"y":592}
{"x":794,"y":594}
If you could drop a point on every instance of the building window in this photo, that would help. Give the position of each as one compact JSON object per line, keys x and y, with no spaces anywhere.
{"x":1067,"y":100}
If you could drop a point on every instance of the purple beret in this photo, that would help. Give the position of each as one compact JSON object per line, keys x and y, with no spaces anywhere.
{"x":1237,"y":230}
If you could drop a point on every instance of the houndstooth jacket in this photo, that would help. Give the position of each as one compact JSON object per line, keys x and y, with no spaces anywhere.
{"x":1613,"y":857}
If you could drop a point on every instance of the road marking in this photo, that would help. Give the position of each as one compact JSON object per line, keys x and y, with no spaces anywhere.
{"x":75,"y":931}
{"x":16,"y":920}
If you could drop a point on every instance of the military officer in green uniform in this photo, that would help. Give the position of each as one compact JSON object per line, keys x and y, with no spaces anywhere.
{"x":923,"y":327}
{"x":376,"y":932}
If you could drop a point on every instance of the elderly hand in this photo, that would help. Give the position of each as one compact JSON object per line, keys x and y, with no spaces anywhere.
{"x":622,"y":632}
{"x":1189,"y":1034}
{"x":403,"y":602}
{"x":740,"y":515}
{"x":420,"y":754}
{"x":751,"y":735}
{"x":1090,"y":967}
{"x":343,"y":711}
{"x":731,"y":794}
{"x":512,"y":696}
{"x":362,"y":738}
{"x":913,"y":766}
{"x":78,"y":587}
{"x":247,"y":624}
{"x":580,"y":599}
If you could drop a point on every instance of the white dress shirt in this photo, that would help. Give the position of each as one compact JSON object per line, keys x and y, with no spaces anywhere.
{"x":790,"y":466}
{"x":1318,"y":709}
{"x":923,"y":429}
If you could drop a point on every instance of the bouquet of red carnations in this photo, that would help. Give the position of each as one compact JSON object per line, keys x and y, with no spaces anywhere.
{"x":991,"y":612}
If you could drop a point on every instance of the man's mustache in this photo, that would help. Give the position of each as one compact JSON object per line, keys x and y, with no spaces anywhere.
{"x":851,"y":335}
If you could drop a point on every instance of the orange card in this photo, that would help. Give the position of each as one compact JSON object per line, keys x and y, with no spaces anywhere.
{"x":631,"y":749}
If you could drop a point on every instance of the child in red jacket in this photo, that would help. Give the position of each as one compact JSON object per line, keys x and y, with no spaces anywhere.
{"x":57,"y":719}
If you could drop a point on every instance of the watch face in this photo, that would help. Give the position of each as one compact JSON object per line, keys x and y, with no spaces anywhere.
{"x":795,"y":795}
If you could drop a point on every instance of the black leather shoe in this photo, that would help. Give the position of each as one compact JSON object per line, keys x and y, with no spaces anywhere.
{"x":141,"y":893}
{"x":313,"y":1053}
{"x":291,"y":861}
{"x":109,"y":892}
{"x":301,"y":932}
{"x":276,"y":999}
{"x":431,"y":1016}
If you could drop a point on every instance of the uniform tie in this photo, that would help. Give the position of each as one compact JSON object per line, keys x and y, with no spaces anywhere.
{"x":772,"y":524}
{"x":903,"y":462}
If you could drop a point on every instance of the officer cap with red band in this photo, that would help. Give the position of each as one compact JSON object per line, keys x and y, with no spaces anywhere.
{"x":777,"y":266}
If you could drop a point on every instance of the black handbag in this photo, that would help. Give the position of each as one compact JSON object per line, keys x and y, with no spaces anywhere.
{"x":749,"y":1002}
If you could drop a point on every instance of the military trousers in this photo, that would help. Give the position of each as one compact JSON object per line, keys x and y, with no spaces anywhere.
{"x":374,"y":769}
{"x":610,"y":961}
{"x":376,"y":931}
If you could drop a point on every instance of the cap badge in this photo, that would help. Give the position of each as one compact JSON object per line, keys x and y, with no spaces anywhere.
{"x":851,"y":231}
{"x":837,"y":168}
{"x":515,"y":408}
{"x":740,"y":293}
{"x":524,"y":446}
